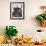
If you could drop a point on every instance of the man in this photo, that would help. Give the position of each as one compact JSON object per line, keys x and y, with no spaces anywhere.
{"x":17,"y":12}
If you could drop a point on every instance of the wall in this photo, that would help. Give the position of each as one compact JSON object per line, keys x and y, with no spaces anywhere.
{"x":28,"y":26}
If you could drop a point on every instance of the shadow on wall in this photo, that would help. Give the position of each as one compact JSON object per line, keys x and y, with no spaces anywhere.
{"x":34,"y":21}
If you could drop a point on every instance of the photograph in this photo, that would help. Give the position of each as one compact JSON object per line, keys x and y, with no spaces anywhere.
{"x":16,"y":10}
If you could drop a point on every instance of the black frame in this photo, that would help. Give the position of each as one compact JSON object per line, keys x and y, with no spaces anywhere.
{"x":23,"y":10}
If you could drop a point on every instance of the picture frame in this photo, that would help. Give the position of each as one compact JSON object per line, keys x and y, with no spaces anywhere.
{"x":16,"y":10}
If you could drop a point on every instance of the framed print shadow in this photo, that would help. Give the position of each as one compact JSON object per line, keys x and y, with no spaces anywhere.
{"x":16,"y":10}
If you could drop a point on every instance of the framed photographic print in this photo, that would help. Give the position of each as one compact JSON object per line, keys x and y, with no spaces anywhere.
{"x":16,"y":10}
